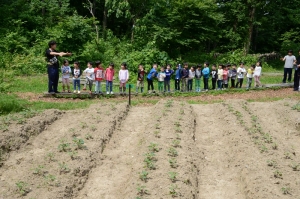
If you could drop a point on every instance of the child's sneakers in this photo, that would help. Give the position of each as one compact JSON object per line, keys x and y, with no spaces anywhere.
{"x":78,"y":92}
{"x":74,"y":91}
{"x":111,"y":93}
{"x":107,"y":93}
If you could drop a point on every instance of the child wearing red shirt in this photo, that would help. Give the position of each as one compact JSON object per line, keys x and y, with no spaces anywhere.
{"x":109,"y":77}
{"x":99,"y":74}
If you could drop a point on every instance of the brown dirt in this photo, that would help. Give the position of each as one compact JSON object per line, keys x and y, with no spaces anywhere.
{"x":222,"y":151}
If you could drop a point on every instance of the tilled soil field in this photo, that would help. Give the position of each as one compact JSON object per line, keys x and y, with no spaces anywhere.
{"x":230,"y":150}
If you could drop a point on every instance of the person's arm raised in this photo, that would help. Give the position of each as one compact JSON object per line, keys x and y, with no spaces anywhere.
{"x":60,"y":54}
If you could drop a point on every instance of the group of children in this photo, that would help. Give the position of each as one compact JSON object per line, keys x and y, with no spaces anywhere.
{"x":220,"y":77}
{"x":97,"y":75}
{"x":184,"y":77}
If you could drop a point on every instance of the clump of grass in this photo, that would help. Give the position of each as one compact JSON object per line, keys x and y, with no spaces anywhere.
{"x":263,"y":148}
{"x":287,"y":155}
{"x":274,"y":146}
{"x":89,"y":136}
{"x":296,"y":107}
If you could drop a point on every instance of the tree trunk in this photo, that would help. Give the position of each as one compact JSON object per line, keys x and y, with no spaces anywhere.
{"x":250,"y":30}
{"x":104,"y":23}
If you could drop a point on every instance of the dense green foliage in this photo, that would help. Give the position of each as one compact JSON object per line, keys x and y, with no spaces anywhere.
{"x":144,"y":31}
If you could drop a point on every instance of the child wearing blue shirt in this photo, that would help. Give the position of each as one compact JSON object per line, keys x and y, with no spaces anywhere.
{"x":150,"y":77}
{"x":177,"y":77}
{"x":168,"y":72}
{"x":205,"y":73}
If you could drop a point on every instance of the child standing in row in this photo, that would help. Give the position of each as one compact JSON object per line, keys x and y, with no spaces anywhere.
{"x":99,"y":75}
{"x":76,"y":77}
{"x":232,"y":75}
{"x":257,"y":74}
{"x":123,"y":77}
{"x":184,"y":77}
{"x":168,"y":72}
{"x":140,"y":79}
{"x":191,"y":79}
{"x":220,"y":77}
{"x":214,"y":76}
{"x":240,"y":73}
{"x":225,"y":77}
{"x":161,"y":79}
{"x":109,"y":77}
{"x":150,"y":77}
{"x":205,"y":73}
{"x":250,"y":76}
{"x":90,"y":76}
{"x":66,"y":71}
{"x":177,"y":77}
{"x":198,"y":75}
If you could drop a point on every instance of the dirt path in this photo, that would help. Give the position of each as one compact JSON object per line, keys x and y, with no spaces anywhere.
{"x":218,"y":176}
{"x":109,"y":180}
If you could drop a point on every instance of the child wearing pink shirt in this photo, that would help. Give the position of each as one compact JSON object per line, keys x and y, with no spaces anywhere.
{"x":225,"y":77}
{"x":109,"y":77}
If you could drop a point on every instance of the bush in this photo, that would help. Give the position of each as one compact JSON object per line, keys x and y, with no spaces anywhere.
{"x":10,"y":104}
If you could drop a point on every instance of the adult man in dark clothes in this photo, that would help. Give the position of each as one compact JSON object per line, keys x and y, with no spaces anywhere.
{"x":296,"y":77}
{"x":53,"y":66}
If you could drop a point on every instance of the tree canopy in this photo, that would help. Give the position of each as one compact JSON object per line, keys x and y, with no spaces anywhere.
{"x":144,"y":31}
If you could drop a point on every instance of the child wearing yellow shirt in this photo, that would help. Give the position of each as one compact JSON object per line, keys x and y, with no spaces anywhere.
{"x":250,"y":76}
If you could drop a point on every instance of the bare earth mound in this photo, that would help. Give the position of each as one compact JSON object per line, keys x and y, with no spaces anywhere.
{"x":230,"y":150}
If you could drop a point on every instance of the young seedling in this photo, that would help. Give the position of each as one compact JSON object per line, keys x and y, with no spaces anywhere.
{"x":295,"y":166}
{"x":173,"y":176}
{"x":277,"y":174}
{"x":169,"y":104}
{"x":83,"y":125}
{"x":89,"y":137}
{"x":157,"y":134}
{"x":93,"y":128}
{"x":63,"y":146}
{"x":22,"y":188}
{"x":78,"y":143}
{"x":263,"y":148}
{"x":287,"y":155}
{"x":150,"y":164}
{"x":150,"y":156}
{"x":38,"y":170}
{"x":157,"y":126}
{"x":50,"y":179}
{"x":176,"y":143}
{"x":73,"y":154}
{"x":178,"y":130}
{"x":181,"y":112}
{"x":274,"y":146}
{"x":173,"y":162}
{"x":187,"y":181}
{"x":286,"y":190}
{"x":177,"y":124}
{"x":63,"y":168}
{"x":272,"y":163}
{"x":153,"y":147}
{"x":144,"y":175}
{"x":142,"y":190}
{"x":50,"y":157}
{"x":172,"y":152}
{"x":178,"y":137}
{"x":173,"y":191}
{"x":268,"y":138}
